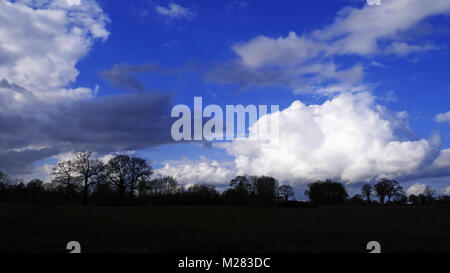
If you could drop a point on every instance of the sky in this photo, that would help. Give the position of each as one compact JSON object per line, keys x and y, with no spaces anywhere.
{"x":363,"y":90}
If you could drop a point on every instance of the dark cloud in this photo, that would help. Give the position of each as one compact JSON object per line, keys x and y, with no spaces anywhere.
{"x":128,"y":120}
{"x":126,"y":76}
{"x":12,"y":86}
{"x":235,"y":73}
{"x":21,"y":162}
{"x":104,"y":124}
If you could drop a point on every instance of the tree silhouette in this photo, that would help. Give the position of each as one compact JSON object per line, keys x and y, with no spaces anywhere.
{"x":4,"y":179}
{"x":169,"y":185}
{"x":429,"y":193}
{"x":241,"y":184}
{"x":394,"y":190}
{"x":366,"y":191}
{"x":286,"y":192}
{"x":35,"y":185}
{"x":88,"y":169}
{"x":357,"y":199}
{"x":143,"y":186}
{"x":138,"y":170}
{"x":428,"y":196}
{"x":116,"y":171}
{"x":266,"y":189}
{"x":125,"y":174}
{"x":163,"y":186}
{"x":201,"y":195}
{"x":387,"y":188}
{"x":102,"y":191}
{"x":65,"y":176}
{"x":382,"y":189}
{"x":414,"y":199}
{"x":241,"y":187}
{"x":326,"y":193}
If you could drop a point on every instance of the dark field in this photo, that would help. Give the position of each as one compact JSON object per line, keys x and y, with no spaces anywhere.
{"x":28,"y":228}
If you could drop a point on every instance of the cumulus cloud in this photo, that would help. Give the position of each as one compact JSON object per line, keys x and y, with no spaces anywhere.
{"x":349,"y":138}
{"x":367,"y":31}
{"x":416,"y":189}
{"x":175,"y":11}
{"x":443,"y":118}
{"x":201,"y":171}
{"x":40,"y":117}
{"x":43,"y":40}
{"x":447,"y":191}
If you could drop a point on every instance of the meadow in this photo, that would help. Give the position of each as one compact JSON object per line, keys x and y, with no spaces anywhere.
{"x":221,"y":229}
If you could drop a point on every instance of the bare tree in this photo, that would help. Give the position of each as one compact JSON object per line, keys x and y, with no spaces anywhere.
{"x":143,"y":186}
{"x":138,"y":169}
{"x":4,"y":177}
{"x":286,"y":192}
{"x":4,"y":181}
{"x":116,"y":171}
{"x":241,"y":184}
{"x":394,"y":190}
{"x":66,"y":177}
{"x":366,"y":191}
{"x":88,"y":169}
{"x":429,"y":195}
{"x":170,"y":185}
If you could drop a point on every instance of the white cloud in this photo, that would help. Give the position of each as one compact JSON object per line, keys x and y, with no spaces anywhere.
{"x":42,"y":41}
{"x":443,"y":160}
{"x":403,"y":49}
{"x":354,"y":31}
{"x":447,"y":191}
{"x":416,"y":189}
{"x":349,"y":138}
{"x":287,"y":51}
{"x":367,"y":31}
{"x":443,"y":118}
{"x":175,"y":11}
{"x":198,"y":171}
{"x":358,"y":31}
{"x":43,"y":173}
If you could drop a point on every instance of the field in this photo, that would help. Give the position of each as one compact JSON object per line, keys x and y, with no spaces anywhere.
{"x":31,"y":228}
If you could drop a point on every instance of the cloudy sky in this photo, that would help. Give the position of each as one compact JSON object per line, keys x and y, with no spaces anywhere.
{"x":363,"y":90}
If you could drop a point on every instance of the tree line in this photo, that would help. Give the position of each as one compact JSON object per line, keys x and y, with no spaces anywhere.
{"x":385,"y":190}
{"x":127,"y":180}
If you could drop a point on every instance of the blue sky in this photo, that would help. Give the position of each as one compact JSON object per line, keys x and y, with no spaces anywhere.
{"x":420,"y":83}
{"x":393,"y":58}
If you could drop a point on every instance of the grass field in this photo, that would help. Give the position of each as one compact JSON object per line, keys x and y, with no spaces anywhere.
{"x":30,"y":228}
